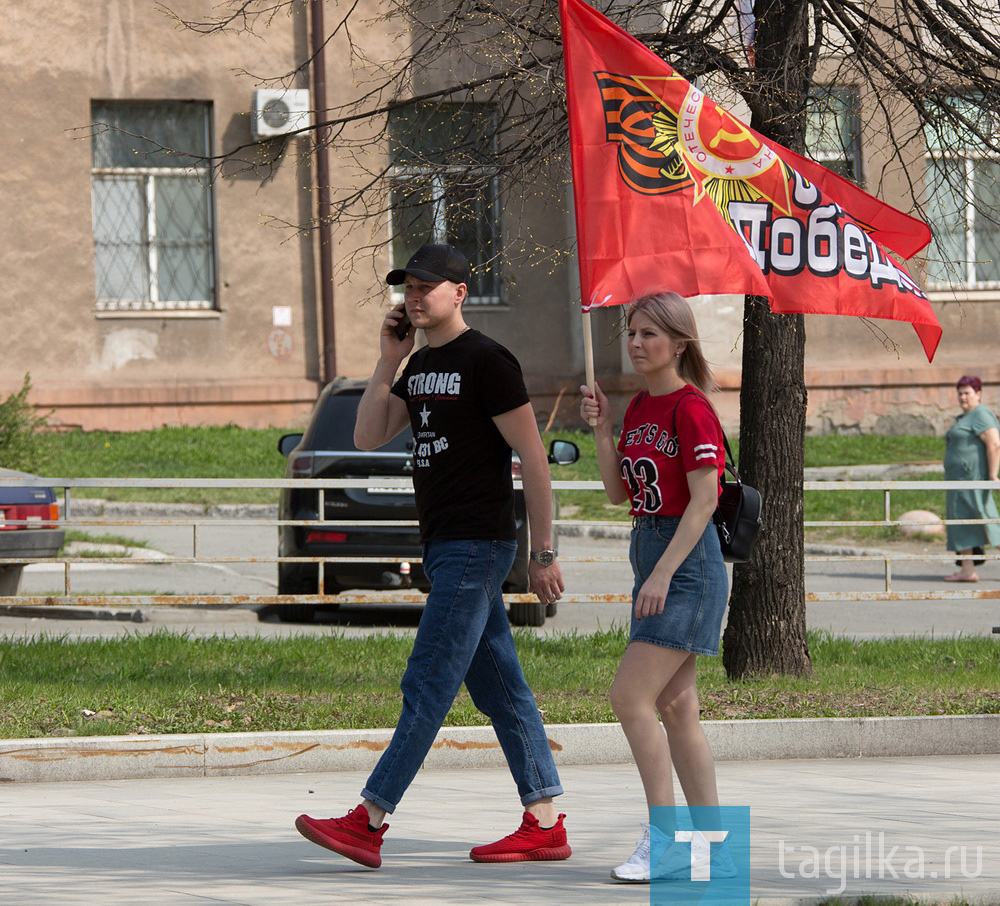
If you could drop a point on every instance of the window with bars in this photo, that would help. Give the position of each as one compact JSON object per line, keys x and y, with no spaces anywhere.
{"x":963,"y":197}
{"x":443,"y":188}
{"x":152,"y":206}
{"x":833,"y":130}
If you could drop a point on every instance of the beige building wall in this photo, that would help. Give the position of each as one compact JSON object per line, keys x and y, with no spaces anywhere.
{"x":138,"y":370}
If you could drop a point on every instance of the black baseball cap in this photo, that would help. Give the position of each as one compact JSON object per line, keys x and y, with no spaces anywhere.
{"x":434,"y":263}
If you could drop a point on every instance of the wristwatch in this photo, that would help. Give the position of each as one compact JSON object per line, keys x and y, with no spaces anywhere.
{"x":545,"y":558}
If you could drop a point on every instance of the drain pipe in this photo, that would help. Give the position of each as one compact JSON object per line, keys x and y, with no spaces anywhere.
{"x":323,"y":195}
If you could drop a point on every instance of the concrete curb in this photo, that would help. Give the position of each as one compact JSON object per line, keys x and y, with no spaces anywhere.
{"x":225,"y":754}
{"x":71,"y":613}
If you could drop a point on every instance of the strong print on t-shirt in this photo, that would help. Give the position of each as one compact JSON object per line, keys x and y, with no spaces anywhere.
{"x":434,"y":383}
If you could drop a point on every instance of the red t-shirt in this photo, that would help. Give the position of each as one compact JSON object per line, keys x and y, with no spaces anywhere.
{"x":654,"y":463}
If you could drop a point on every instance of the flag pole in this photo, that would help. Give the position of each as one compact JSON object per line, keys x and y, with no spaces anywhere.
{"x":588,"y":358}
{"x":575,"y":169}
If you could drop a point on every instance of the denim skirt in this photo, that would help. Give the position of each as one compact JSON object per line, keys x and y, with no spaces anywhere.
{"x":696,"y":601}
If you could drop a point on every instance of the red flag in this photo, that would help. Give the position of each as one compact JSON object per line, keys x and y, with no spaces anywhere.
{"x":675,"y":193}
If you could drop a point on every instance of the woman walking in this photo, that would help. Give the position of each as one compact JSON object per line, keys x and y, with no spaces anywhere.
{"x":972,"y":453}
{"x":667,"y":462}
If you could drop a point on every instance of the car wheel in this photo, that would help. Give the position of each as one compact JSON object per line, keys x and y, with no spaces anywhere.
{"x":294,"y":581}
{"x":531,"y":613}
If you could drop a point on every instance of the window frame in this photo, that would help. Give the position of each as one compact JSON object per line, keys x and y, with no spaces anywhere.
{"x":852,"y":110}
{"x":968,"y":155}
{"x":148,"y":179}
{"x":435,"y":175}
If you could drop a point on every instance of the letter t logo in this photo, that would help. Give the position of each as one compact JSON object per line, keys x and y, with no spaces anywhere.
{"x":701,"y":850}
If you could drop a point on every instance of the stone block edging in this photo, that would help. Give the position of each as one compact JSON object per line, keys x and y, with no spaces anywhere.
{"x":218,"y":754}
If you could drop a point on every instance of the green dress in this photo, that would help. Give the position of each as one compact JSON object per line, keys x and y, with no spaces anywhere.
{"x":965,"y":460}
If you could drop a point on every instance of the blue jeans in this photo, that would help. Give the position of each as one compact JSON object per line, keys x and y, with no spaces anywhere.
{"x":464,"y":634}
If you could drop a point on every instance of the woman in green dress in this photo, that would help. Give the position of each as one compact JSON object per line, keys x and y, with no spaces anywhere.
{"x":972,"y":453}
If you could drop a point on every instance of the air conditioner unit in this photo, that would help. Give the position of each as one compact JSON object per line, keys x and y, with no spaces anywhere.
{"x":278,"y":111}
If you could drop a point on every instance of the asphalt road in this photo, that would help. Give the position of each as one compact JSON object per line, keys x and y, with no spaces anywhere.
{"x":859,"y":619}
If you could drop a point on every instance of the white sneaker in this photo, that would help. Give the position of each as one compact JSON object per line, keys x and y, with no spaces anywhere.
{"x":694,"y":861}
{"x":636,"y":869}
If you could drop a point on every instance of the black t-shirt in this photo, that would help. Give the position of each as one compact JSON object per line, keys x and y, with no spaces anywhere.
{"x":461,"y":462}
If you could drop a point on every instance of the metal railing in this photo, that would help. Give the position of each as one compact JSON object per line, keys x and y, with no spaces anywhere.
{"x":199,"y":524}
{"x":887,"y":592}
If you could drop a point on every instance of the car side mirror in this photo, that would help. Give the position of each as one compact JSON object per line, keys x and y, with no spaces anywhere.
{"x":288,"y":443}
{"x":563,"y":452}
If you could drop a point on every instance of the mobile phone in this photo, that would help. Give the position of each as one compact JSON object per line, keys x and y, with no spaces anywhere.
{"x":402,"y":327}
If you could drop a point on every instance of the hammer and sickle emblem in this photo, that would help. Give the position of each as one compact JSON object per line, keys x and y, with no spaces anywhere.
{"x":739,"y":135}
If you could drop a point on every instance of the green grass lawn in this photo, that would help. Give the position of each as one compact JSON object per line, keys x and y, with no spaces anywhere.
{"x":170,"y":683}
{"x":209,"y":452}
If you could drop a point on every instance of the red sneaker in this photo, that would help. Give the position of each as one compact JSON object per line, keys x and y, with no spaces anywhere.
{"x":348,"y":836}
{"x":529,"y":843}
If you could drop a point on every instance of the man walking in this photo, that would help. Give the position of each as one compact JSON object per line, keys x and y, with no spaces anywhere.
{"x":464,"y":397}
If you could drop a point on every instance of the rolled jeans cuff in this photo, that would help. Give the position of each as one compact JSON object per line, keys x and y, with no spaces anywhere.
{"x":383,"y":804}
{"x":536,"y":795}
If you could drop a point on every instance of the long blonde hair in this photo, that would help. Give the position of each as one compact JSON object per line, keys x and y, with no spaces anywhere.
{"x":672,"y":313}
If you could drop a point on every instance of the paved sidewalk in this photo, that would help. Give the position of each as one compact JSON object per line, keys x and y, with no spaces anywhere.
{"x":230,"y":840}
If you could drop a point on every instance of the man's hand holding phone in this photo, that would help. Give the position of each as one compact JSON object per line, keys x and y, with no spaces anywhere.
{"x":397,"y":335}
{"x":403,"y":324}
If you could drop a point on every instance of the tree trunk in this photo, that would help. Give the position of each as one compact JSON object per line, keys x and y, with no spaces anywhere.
{"x":766,"y":629}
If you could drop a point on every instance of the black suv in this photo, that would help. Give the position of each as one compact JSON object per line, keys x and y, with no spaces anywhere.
{"x":326,"y":450}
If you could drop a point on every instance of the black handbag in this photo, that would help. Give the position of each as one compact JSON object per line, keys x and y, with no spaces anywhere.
{"x":737,"y":517}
